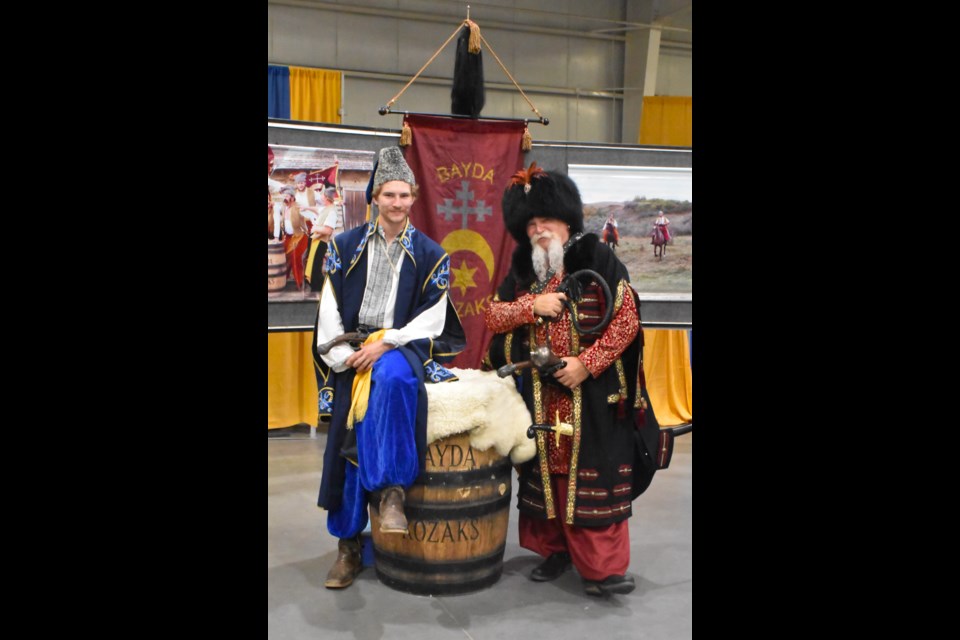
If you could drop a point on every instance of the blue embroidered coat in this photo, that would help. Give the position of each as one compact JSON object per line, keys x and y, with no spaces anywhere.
{"x":424,"y":278}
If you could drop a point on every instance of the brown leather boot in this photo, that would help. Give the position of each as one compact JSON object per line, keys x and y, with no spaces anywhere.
{"x":392,"y":518}
{"x":348,"y":565}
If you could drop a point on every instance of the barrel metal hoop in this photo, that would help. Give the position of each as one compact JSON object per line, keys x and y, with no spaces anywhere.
{"x":385,"y":559}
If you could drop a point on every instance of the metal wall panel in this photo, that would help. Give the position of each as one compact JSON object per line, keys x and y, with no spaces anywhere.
{"x":362,"y":98}
{"x":383,"y":4}
{"x":554,"y":13}
{"x":421,"y":40}
{"x":302,"y":37}
{"x":675,"y":74}
{"x":499,"y":104}
{"x":338,"y":39}
{"x":503,"y":44}
{"x":589,"y":120}
{"x":540,"y":59}
{"x":606,"y":9}
{"x":595,"y":64}
{"x":368,"y":42}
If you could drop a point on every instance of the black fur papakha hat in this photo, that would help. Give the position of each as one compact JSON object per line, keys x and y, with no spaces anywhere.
{"x":547,"y":194}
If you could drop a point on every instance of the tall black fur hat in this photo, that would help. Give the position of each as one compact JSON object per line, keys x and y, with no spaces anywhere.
{"x":547,"y":194}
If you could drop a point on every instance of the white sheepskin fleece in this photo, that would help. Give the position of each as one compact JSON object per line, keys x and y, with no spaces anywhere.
{"x":487,"y":406}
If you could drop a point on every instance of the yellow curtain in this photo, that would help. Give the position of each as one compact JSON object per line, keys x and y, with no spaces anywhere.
{"x":666,"y":366}
{"x":291,"y":384}
{"x":315,"y":95}
{"x":667,"y":121}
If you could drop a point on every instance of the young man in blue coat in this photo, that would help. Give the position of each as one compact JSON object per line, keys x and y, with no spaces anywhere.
{"x":391,"y":281}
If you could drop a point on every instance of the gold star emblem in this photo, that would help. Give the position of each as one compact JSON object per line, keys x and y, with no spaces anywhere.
{"x":463,"y":277}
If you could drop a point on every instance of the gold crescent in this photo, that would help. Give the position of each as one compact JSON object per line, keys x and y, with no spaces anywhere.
{"x":467,"y":240}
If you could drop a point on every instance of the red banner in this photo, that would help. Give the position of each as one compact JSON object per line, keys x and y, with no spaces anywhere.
{"x":326,"y":177}
{"x":463,"y":167}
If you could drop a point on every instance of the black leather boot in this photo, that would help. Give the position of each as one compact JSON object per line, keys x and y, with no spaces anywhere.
{"x":551,"y":568}
{"x":612,"y":584}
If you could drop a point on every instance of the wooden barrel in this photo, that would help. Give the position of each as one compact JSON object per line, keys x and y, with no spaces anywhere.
{"x":457,"y":513}
{"x":276,"y":266}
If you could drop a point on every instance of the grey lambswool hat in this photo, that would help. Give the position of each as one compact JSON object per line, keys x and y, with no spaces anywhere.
{"x":392,"y":166}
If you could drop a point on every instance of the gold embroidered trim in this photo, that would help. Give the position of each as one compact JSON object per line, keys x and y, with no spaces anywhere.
{"x":430,"y":275}
{"x":486,"y":360}
{"x":594,"y":512}
{"x":597,"y":494}
{"x":575,"y":441}
{"x":639,"y":402}
{"x":621,"y":377}
{"x":443,"y":355}
{"x":403,"y":245}
{"x":613,"y":397}
{"x":663,"y":451}
{"x":602,"y":512}
{"x":621,"y":489}
{"x":545,"y":475}
{"x":541,"y":439}
{"x":356,"y":256}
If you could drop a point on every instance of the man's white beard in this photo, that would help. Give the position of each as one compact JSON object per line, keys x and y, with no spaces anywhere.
{"x":546,"y":259}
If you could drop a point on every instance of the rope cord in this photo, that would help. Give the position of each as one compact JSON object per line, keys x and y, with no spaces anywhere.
{"x":497,"y":58}
{"x":414,"y":78}
{"x":465,"y":23}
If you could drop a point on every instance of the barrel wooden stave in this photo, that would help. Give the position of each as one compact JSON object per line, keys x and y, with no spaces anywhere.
{"x":458,"y":513}
{"x":276,"y":266}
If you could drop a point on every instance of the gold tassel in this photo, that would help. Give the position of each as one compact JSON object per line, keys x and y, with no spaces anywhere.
{"x":527,"y":143}
{"x":406,"y":136}
{"x":474,"y":45}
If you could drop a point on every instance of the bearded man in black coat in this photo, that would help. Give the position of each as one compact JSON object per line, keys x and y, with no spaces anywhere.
{"x":575,"y":495}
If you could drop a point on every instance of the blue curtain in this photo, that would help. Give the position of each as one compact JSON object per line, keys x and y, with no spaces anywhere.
{"x":278,"y":92}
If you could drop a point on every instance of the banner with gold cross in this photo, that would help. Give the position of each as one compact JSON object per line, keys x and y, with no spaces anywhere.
{"x":462,"y":167}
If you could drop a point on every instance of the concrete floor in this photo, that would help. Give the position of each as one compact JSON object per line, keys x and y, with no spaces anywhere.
{"x":300,"y":552}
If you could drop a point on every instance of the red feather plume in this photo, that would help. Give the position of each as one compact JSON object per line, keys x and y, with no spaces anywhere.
{"x":524,"y":176}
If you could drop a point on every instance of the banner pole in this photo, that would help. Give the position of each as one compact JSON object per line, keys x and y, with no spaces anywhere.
{"x":542,"y":120}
